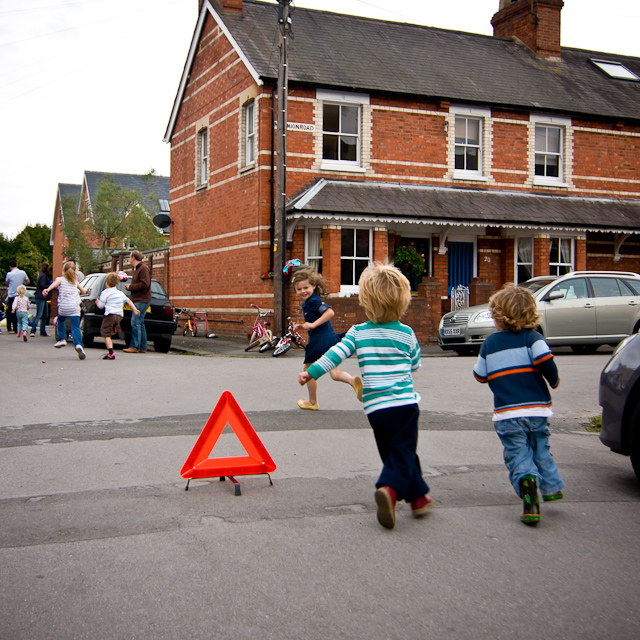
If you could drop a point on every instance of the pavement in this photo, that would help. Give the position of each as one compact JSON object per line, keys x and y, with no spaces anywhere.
{"x":99,"y":539}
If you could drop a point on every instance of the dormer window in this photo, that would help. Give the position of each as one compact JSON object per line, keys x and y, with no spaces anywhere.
{"x":615,"y":70}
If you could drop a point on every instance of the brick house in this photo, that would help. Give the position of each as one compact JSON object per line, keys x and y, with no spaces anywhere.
{"x":499,"y":158}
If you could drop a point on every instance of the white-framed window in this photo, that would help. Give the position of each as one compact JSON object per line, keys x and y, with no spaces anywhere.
{"x":468,"y":136}
{"x":524,"y":259}
{"x":469,"y":124}
{"x":561,"y":256}
{"x":202,"y":158}
{"x":355,"y":256}
{"x":549,"y":150}
{"x":313,"y":249}
{"x":341,"y":129}
{"x":249,"y":128}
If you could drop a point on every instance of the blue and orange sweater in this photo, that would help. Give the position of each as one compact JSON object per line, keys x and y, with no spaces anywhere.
{"x":515,"y":365}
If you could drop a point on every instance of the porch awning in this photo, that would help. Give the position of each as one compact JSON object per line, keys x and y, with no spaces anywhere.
{"x":386,"y":202}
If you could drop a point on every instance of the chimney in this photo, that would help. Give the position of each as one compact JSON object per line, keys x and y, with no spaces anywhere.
{"x":225,"y":5}
{"x":534,"y":22}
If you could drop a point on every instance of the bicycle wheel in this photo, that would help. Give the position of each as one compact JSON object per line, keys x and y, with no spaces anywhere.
{"x":269,"y":344}
{"x":194,"y":331}
{"x":282,"y":348}
{"x":256,"y":340}
{"x":184,"y":331}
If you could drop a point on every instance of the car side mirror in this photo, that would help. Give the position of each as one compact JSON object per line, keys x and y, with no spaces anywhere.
{"x":554,"y":295}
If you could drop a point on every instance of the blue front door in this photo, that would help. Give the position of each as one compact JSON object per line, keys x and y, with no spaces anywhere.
{"x":460,"y":264}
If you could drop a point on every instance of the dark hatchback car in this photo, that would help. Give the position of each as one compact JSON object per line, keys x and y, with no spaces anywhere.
{"x":158,"y":321}
{"x":620,"y":401}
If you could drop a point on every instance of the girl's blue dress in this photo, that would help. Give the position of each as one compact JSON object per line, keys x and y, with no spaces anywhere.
{"x":322,"y":338}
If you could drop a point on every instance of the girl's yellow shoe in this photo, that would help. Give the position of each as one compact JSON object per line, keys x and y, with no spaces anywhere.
{"x":303,"y":404}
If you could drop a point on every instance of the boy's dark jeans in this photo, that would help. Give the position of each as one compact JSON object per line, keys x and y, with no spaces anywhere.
{"x":396,"y":433}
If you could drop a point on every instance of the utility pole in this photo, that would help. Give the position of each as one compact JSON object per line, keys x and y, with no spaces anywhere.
{"x":279,"y":281}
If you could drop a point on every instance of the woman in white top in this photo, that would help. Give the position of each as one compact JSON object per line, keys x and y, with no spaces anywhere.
{"x":69,"y":305}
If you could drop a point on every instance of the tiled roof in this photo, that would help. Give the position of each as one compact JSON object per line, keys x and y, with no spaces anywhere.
{"x":384,"y":201}
{"x":69,"y":190}
{"x":152,"y":189}
{"x":350,"y":52}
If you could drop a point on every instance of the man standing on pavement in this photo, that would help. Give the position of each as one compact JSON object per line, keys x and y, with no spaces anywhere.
{"x":14,"y":278}
{"x":140,"y":289}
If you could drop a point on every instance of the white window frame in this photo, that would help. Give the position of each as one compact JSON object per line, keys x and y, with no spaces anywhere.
{"x":483,"y":116}
{"x":516,"y":260}
{"x":558,"y":123}
{"x":350,"y":289}
{"x":313,"y":259}
{"x":555,"y":266}
{"x":249,"y":130}
{"x":202,"y":157}
{"x":345,"y":99}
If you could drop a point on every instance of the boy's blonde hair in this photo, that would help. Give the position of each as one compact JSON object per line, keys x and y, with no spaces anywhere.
{"x":315,"y":279}
{"x":385,"y":292}
{"x":514,"y":308}
{"x":112,"y":279}
{"x":21,"y":290}
{"x":69,"y":272}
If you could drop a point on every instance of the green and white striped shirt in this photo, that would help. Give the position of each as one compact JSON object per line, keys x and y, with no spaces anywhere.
{"x":387,"y":354}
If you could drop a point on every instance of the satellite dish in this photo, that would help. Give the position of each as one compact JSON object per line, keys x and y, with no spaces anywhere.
{"x":162,"y":220}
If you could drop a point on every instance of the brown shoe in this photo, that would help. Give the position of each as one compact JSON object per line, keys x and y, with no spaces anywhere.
{"x":130,"y":350}
{"x":142,"y":351}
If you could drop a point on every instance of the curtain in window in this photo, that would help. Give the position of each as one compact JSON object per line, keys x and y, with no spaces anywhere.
{"x":525,"y":250}
{"x":314,"y":241}
{"x":565,"y":250}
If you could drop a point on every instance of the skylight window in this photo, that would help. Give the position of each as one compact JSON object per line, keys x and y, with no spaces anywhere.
{"x":615,"y":70}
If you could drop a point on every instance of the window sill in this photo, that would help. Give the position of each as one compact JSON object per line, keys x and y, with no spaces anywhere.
{"x":475,"y":177}
{"x":247,"y":167}
{"x":201,"y":187}
{"x":344,"y":168}
{"x":541,"y":182}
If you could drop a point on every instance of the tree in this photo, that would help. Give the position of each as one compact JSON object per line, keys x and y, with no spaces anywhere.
{"x":30,"y":248}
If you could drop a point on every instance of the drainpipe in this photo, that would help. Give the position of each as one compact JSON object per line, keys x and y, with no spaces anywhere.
{"x":272,"y":180}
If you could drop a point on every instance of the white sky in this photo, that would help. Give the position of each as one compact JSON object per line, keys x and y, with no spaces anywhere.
{"x":89,"y":84}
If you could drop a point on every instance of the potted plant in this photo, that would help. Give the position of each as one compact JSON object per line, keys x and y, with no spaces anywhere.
{"x":408,"y":260}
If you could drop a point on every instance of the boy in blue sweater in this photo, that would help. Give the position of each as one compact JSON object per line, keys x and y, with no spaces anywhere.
{"x":515,"y":360}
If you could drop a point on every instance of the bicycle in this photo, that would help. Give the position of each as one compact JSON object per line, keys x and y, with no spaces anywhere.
{"x":288,"y":340}
{"x":189,"y":326}
{"x":260,"y":334}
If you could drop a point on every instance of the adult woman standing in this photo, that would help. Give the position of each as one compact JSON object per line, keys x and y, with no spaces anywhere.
{"x":44,"y":280}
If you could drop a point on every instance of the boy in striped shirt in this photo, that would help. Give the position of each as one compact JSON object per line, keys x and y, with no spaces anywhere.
{"x":515,"y":360}
{"x":387,"y":353}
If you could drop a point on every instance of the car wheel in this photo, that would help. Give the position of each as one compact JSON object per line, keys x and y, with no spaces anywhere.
{"x":162,"y":345}
{"x":465,"y":353}
{"x":634,"y":434}
{"x":584,"y":349}
{"x":87,"y":339}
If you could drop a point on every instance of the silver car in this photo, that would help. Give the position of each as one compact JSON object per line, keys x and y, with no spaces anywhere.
{"x":582,"y":309}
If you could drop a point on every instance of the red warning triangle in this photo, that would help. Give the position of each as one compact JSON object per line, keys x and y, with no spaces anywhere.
{"x":227,"y":411}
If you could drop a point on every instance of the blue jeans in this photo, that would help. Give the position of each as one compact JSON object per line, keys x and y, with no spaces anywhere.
{"x":76,"y":334}
{"x":526,"y":452}
{"x":41,"y":315}
{"x":22,"y":321}
{"x":396,"y":433}
{"x":138,"y":332}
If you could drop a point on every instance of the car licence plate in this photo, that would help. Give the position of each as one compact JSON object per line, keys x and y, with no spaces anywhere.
{"x":453,"y":331}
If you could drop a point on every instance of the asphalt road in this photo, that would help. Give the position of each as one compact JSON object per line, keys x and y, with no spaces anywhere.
{"x":98,"y":538}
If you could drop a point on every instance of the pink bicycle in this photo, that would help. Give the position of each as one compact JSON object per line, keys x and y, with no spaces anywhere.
{"x":260,"y":333}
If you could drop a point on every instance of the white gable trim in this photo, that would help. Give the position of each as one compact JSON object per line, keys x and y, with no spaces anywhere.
{"x":206,"y":6}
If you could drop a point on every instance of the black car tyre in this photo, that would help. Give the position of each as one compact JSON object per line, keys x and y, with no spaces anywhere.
{"x":634,"y":435}
{"x":87,"y":339}
{"x":162,"y":345}
{"x":467,"y":352}
{"x":584,"y":349}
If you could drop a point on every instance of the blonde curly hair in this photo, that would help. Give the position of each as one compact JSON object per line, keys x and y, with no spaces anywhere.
{"x":514,"y":308}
